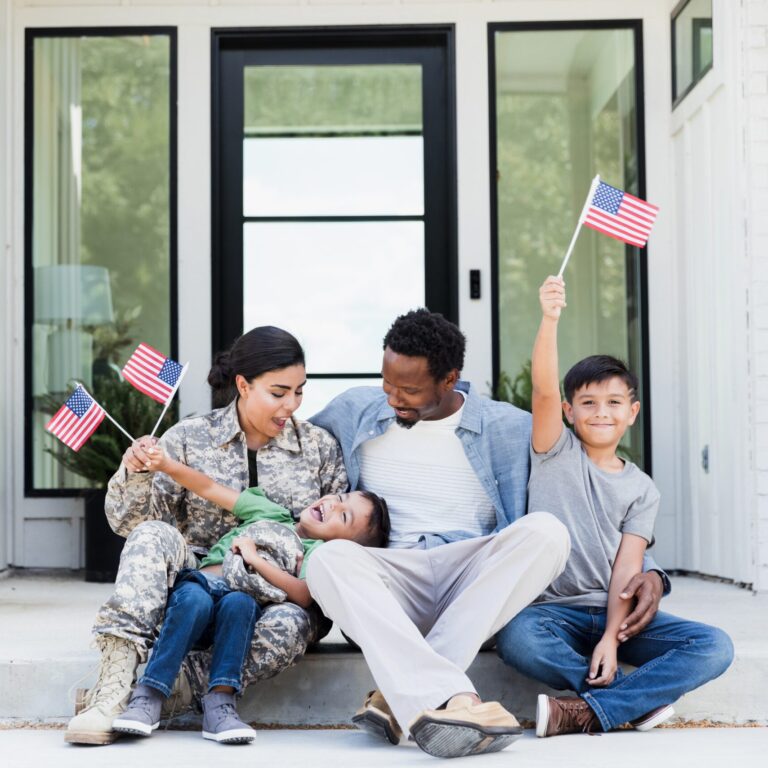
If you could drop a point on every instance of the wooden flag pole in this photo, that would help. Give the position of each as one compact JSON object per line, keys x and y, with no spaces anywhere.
{"x":184,"y":370}
{"x":106,"y":412}
{"x":587,"y":203}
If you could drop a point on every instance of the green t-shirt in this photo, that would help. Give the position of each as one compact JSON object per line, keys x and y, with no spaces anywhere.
{"x":251,"y":507}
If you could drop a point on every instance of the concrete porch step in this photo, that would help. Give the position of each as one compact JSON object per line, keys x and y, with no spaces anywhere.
{"x":45,"y":635}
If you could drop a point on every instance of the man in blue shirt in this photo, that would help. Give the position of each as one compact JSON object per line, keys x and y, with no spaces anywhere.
{"x":453,"y":467}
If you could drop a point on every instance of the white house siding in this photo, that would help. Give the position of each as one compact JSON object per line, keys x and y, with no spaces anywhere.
{"x":682,"y":535}
{"x":755,"y":55}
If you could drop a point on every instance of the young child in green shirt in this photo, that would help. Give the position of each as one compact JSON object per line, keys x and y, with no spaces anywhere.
{"x":203,"y":609}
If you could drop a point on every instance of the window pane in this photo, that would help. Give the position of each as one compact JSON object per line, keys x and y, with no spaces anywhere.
{"x":319,"y":392}
{"x":336,"y":285}
{"x":330,"y":100}
{"x":692,"y":44}
{"x":101,"y":238}
{"x":327,"y":176}
{"x":565,"y":110}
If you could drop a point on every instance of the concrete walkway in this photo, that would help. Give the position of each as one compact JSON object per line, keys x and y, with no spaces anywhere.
{"x":676,"y":748}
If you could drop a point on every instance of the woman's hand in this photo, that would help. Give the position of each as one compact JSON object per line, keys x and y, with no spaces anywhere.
{"x":136,"y":457}
{"x":604,"y":663}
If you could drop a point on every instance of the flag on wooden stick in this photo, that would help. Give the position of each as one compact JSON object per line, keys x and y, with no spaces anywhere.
{"x":154,"y":374}
{"x":616,"y":214}
{"x":77,"y":419}
{"x":621,"y":215}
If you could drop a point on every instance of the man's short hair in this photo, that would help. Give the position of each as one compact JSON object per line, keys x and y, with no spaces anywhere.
{"x":421,"y":333}
{"x":377,"y":533}
{"x":595,"y":369}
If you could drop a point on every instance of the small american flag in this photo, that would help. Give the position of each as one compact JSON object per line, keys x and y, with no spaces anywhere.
{"x":152,"y":373}
{"x":621,"y":215}
{"x":77,"y":419}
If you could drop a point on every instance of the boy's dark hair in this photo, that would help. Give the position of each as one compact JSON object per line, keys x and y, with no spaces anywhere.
{"x":597,"y":368}
{"x":377,"y":534}
{"x":421,"y":333}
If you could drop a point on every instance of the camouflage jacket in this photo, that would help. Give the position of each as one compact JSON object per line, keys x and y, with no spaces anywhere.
{"x":294,"y":469}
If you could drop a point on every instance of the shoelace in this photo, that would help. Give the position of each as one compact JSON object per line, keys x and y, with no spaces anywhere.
{"x":224,"y":710}
{"x":142,"y":702}
{"x":577,"y":716}
{"x":113,"y":662}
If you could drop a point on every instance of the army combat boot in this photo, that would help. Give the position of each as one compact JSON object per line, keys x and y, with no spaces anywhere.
{"x":181,"y":700}
{"x":107,"y":699}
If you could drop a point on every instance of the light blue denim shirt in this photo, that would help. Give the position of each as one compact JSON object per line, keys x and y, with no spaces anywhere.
{"x":496,"y":438}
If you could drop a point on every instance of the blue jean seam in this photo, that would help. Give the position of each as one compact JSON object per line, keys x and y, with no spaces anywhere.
{"x":605,"y":721}
{"x":633,"y":676}
{"x":229,"y":681}
{"x":238,"y":684}
{"x":546,"y":625}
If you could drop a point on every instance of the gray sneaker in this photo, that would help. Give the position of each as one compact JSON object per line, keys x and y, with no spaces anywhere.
{"x":142,"y":715}
{"x":221,"y":722}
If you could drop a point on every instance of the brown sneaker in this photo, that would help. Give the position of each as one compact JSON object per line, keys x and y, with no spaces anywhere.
{"x":375,"y":717}
{"x":653,"y":718}
{"x":566,"y":714}
{"x":464,"y":727}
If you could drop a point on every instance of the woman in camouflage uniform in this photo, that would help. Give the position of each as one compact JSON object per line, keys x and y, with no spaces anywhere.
{"x":252,"y":440}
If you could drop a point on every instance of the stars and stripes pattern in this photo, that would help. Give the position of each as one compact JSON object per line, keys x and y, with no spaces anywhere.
{"x":621,"y":215}
{"x":77,"y":419}
{"x":152,"y":373}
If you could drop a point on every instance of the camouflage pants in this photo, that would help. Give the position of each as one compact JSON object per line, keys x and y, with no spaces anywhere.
{"x":153,"y":555}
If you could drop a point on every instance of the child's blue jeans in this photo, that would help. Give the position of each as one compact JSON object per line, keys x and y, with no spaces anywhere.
{"x":554,"y":644}
{"x":202,"y":611}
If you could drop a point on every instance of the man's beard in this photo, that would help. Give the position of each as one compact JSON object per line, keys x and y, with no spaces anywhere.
{"x":404,"y":423}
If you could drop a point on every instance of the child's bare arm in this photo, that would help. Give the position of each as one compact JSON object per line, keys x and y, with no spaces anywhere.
{"x":296,"y":589}
{"x":546,"y":404}
{"x":191,"y":479}
{"x":629,"y":561}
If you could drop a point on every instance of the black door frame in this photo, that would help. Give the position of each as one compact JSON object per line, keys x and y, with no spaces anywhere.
{"x":432,"y":46}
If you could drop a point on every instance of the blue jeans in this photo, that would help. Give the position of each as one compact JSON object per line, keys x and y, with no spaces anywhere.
{"x":554,"y":644}
{"x":201,"y":612}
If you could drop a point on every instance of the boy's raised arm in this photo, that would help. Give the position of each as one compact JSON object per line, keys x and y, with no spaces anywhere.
{"x":546,"y":404}
{"x":191,"y":479}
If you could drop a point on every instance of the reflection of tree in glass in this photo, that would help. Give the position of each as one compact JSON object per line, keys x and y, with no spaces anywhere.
{"x":125,"y":181}
{"x":333,"y":100}
{"x":535,"y":210}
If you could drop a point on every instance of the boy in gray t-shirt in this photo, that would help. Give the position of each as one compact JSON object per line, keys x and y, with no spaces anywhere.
{"x":569,"y":637}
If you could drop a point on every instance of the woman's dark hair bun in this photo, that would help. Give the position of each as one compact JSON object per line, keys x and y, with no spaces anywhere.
{"x":253,"y":354}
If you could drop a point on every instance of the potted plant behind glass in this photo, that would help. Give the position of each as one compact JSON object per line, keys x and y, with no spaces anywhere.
{"x":101,"y":455}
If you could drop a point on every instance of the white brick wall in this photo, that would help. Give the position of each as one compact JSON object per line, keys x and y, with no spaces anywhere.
{"x":755,"y":21}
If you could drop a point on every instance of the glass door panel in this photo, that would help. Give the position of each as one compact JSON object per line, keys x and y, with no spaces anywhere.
{"x":336,"y":193}
{"x":566,"y":108}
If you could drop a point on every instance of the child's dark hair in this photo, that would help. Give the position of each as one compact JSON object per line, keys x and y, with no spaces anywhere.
{"x":259,"y":351}
{"x":595,"y":369}
{"x":421,"y":333}
{"x":377,"y":534}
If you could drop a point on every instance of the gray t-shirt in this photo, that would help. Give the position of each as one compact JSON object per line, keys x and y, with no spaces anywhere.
{"x":597,"y":507}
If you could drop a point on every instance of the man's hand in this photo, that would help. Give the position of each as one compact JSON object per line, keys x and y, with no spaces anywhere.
{"x":136,"y":457}
{"x":647,"y":589}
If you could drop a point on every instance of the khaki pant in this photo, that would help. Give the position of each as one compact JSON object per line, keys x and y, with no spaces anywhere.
{"x":420,"y":616}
